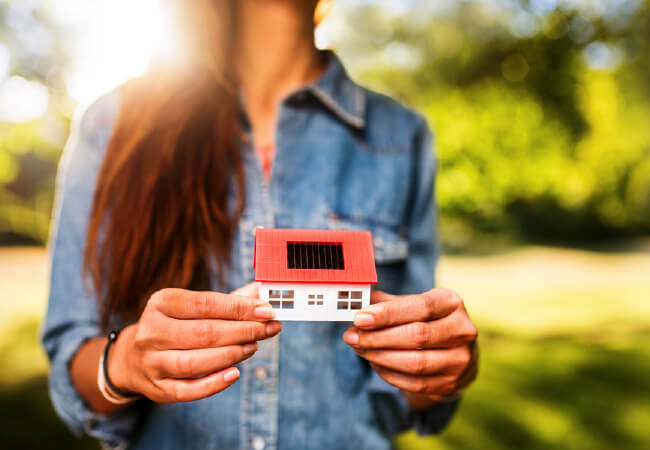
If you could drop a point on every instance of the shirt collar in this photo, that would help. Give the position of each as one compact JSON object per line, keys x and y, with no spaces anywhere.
{"x":342,"y":96}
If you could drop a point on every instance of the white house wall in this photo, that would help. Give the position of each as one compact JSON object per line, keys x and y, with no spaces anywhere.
{"x":302,"y":311}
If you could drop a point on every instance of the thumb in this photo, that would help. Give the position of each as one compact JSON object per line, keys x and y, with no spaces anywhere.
{"x":381,"y":296}
{"x":250,"y":290}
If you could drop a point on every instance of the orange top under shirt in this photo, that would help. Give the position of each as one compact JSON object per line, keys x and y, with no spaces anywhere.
{"x":265,"y":154}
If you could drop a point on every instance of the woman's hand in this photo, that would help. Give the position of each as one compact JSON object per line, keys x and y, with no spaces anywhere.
{"x":424,"y":344}
{"x":185,"y":344}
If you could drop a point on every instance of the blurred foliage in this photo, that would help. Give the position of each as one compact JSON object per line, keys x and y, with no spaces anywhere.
{"x":27,"y":171}
{"x":29,"y":150}
{"x":540,"y":108}
{"x":541,"y":115}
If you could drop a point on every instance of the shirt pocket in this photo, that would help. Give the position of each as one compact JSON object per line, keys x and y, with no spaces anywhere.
{"x":389,"y":241}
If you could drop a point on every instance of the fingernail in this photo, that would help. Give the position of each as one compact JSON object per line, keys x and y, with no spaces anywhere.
{"x":273,"y":328}
{"x":351,"y":337}
{"x":364,"y":320}
{"x":231,"y":375}
{"x":249,"y":349}
{"x":263,"y":312}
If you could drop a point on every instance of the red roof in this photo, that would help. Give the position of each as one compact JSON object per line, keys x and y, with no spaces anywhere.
{"x":271,"y":256}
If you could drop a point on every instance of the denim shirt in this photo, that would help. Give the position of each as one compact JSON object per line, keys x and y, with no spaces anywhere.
{"x":346,"y":158}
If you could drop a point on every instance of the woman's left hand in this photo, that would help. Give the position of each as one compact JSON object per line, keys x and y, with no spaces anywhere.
{"x":424,"y":344}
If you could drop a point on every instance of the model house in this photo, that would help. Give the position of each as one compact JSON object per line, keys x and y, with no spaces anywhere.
{"x":314,"y":275}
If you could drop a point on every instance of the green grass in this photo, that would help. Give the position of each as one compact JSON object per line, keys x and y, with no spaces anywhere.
{"x":28,"y":420}
{"x":560,"y":392}
{"x":564,"y":338}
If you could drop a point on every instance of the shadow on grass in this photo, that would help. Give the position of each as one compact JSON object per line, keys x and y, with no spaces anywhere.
{"x":29,"y":422}
{"x":632,"y":244}
{"x":493,"y":244}
{"x":553,"y":393}
{"x":27,"y":418}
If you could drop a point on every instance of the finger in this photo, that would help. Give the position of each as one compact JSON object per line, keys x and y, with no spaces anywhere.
{"x":468,"y":377}
{"x":440,"y":385}
{"x":451,"y":331}
{"x":193,"y":334}
{"x":471,"y":371}
{"x":388,"y":310}
{"x":184,"y":304}
{"x":194,"y":389}
{"x":421,"y":362}
{"x":250,"y":290}
{"x":200,"y":362}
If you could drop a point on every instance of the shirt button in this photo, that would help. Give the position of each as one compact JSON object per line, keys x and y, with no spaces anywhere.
{"x":261,"y":373}
{"x":258,"y":443}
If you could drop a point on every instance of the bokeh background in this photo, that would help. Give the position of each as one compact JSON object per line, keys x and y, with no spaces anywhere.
{"x":542,"y":115}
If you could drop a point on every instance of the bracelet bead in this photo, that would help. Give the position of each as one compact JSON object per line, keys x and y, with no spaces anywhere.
{"x":109,"y":391}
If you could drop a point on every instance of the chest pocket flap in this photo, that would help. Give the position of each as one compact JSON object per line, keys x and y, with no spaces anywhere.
{"x":390,"y":246}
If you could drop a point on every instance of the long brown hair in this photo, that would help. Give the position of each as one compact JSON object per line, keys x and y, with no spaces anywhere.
{"x":161,"y":215}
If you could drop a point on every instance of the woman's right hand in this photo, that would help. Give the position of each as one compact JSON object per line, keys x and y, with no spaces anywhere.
{"x":186,"y":343}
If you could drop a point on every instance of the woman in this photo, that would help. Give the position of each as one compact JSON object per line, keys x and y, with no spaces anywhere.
{"x":161,"y":188}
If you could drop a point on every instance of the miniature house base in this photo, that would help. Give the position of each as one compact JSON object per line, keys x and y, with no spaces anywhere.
{"x":315,"y":302}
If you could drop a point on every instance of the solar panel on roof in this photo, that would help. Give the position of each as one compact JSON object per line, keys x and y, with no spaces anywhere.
{"x":315,"y":255}
{"x":272,"y":259}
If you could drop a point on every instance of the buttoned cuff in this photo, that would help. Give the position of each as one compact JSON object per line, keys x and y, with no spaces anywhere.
{"x":113,"y":430}
{"x":396,"y":416}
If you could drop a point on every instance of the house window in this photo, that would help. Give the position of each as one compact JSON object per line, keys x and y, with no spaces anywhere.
{"x":287,"y":299}
{"x":284,"y":294}
{"x":344,"y":294}
{"x":315,"y":255}
{"x":342,"y":305}
{"x":355,"y":305}
{"x":313,"y":297}
{"x":355,"y":295}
